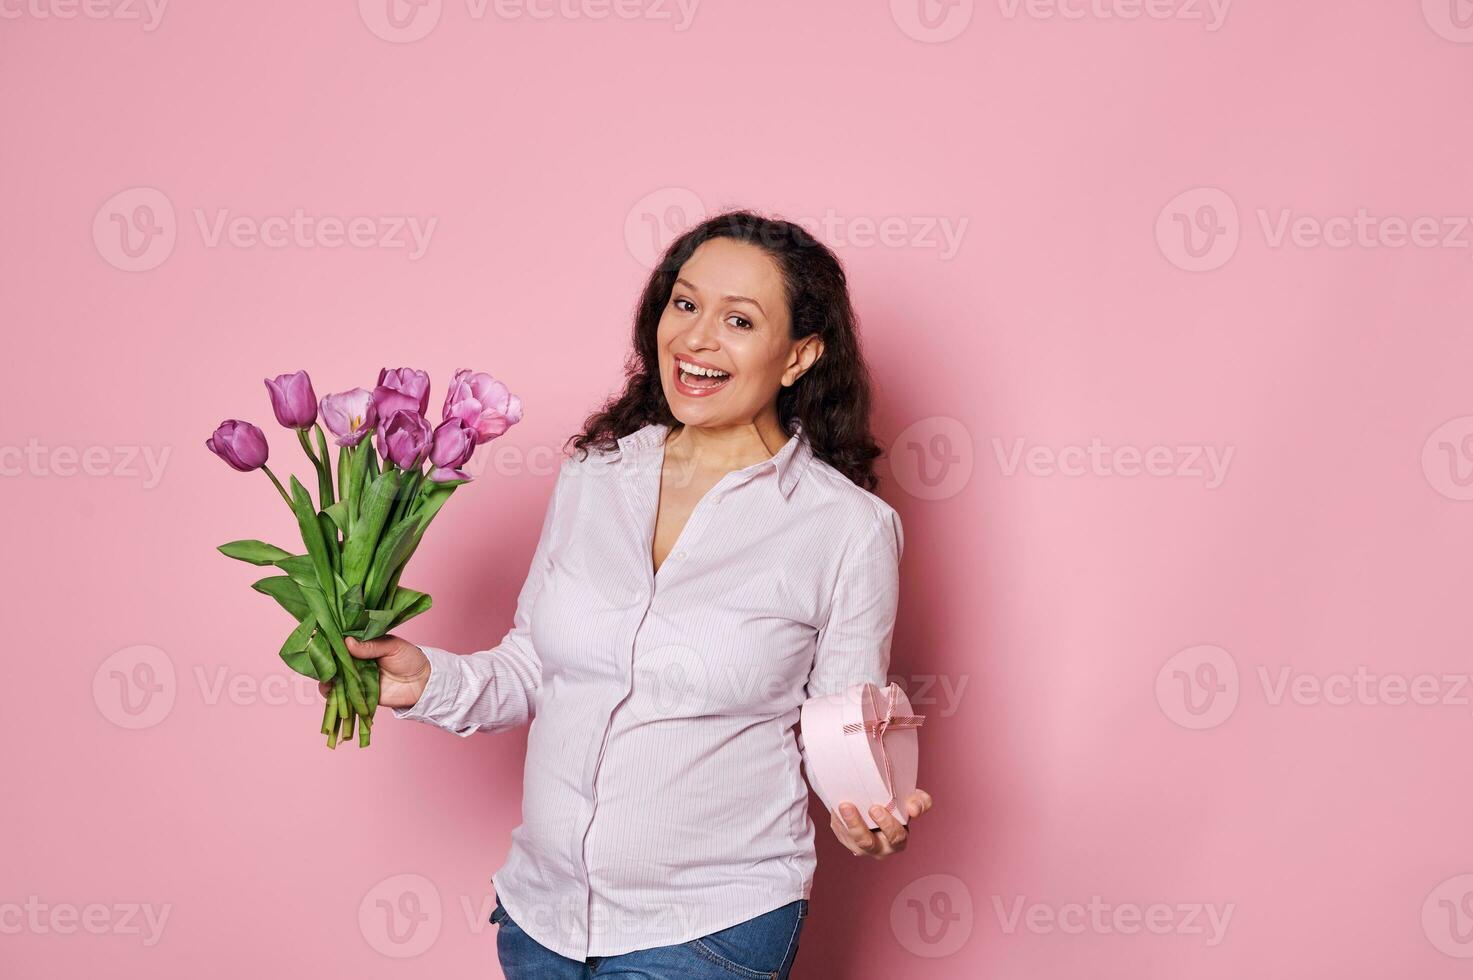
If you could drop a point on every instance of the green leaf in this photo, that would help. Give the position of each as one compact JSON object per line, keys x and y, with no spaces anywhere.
{"x":300,"y":569}
{"x":311,"y":533}
{"x":349,"y":667}
{"x":338,"y":513}
{"x":392,"y":551}
{"x":377,"y":502}
{"x":255,"y":552}
{"x":352,"y":605}
{"x":285,"y":591}
{"x":408,"y":604}
{"x":298,"y":655}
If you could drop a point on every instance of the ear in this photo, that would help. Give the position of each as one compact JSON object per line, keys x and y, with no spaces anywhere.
{"x":805,"y":355}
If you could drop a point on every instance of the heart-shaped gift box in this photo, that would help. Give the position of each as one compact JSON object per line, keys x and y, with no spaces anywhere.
{"x":861,"y":748}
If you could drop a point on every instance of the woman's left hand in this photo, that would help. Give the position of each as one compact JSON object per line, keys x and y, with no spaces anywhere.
{"x":890,"y":839}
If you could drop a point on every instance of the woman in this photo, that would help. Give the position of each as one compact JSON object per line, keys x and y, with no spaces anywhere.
{"x":715,"y":557}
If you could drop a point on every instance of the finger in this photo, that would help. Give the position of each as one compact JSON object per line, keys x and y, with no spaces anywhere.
{"x":372,"y":649}
{"x":842,"y":833}
{"x":858,"y":832}
{"x":918,"y":803}
{"x":892,"y":829}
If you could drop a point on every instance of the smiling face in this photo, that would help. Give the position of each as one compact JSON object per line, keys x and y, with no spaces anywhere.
{"x":725,"y":337}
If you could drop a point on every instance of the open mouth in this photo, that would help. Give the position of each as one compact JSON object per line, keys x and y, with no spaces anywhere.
{"x":697,"y":378}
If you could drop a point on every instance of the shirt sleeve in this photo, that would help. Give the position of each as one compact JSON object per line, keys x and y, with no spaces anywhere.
{"x":492,"y":690}
{"x":854,"y":643}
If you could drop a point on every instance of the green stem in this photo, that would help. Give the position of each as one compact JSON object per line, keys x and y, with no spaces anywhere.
{"x":306,"y":442}
{"x":329,"y":713}
{"x":324,"y":469}
{"x":279,"y":488}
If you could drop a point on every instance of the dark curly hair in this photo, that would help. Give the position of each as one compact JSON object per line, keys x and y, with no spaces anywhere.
{"x":831,"y":399}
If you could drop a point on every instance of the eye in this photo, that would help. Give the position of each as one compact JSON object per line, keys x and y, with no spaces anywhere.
{"x":740,"y":322}
{"x":684,"y":305}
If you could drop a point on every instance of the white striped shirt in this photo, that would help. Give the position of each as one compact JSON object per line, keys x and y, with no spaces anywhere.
{"x":662,"y":798}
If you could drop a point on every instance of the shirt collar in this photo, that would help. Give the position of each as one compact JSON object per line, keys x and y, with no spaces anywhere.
{"x":789,"y":462}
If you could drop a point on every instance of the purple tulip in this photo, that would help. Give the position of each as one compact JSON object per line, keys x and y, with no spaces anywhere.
{"x":401,"y":389}
{"x":292,"y":400}
{"x":240,"y":444}
{"x":405,"y":439}
{"x":483,"y":403}
{"x":454,"y":444}
{"x":349,"y":415}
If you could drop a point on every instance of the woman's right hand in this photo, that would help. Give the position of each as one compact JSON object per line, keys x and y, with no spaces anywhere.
{"x":403,"y":669}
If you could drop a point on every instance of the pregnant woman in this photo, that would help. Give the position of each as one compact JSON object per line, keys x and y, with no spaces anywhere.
{"x":715,"y":556}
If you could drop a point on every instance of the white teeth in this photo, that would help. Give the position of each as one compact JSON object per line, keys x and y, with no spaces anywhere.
{"x":690,"y":368}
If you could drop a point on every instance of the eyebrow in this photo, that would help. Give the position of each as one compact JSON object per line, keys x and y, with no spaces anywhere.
{"x":730,"y":297}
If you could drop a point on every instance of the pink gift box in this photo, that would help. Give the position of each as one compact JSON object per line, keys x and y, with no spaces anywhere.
{"x":862,"y":749}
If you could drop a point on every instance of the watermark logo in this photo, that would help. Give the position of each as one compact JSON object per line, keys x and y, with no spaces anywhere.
{"x":1447,"y":916}
{"x":933,"y":916}
{"x":400,"y":21}
{"x":1100,"y":917}
{"x":1452,"y":20}
{"x":400,"y":917}
{"x":1447,"y":458}
{"x":39,"y":918}
{"x":1198,"y":230}
{"x":148,"y":13}
{"x":657,"y":219}
{"x":35,"y":460}
{"x":1212,"y":13}
{"x":932,"y":21}
{"x":135,"y":229}
{"x":932,"y":458}
{"x":1198,"y":687}
{"x":135,"y":687}
{"x":1191,"y":461}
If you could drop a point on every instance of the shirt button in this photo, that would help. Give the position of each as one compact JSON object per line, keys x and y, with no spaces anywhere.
{"x":680,"y":554}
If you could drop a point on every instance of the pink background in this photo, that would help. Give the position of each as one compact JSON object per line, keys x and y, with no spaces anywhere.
{"x":1113,"y":641}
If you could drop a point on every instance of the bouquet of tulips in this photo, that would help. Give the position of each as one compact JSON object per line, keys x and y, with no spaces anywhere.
{"x":367,"y":521}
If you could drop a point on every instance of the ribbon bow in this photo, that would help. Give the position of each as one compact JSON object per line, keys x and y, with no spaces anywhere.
{"x":884,"y":721}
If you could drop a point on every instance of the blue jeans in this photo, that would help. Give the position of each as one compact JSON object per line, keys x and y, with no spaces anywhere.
{"x":762,"y":948}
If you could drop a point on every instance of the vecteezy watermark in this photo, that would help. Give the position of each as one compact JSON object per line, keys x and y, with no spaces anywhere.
{"x":1200,"y":687}
{"x":406,"y":21}
{"x":1099,"y":917}
{"x":1212,"y":14}
{"x":136,"y":230}
{"x":660,"y":216}
{"x":932,"y":458}
{"x":1447,"y":458}
{"x":40,"y":461}
{"x":38,"y":918}
{"x":933,"y":916}
{"x":1183,"y":462}
{"x":1447,"y":916}
{"x":401,"y":916}
{"x":932,"y":21}
{"x":1452,"y":20}
{"x":147,"y":13}
{"x":137,"y":687}
{"x":1199,"y":230}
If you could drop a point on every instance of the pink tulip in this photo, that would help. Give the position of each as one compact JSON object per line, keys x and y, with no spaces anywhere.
{"x":454,"y":444}
{"x":349,"y":415}
{"x":401,"y":389}
{"x":483,"y":403}
{"x":405,"y":439}
{"x":293,"y":400}
{"x":240,"y":444}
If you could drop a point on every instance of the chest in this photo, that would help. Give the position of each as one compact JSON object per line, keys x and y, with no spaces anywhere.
{"x":679,"y":494}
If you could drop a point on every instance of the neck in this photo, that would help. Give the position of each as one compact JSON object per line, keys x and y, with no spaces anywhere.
{"x":726,"y":448}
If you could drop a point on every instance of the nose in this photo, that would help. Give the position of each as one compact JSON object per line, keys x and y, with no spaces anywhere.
{"x":702,"y":332}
